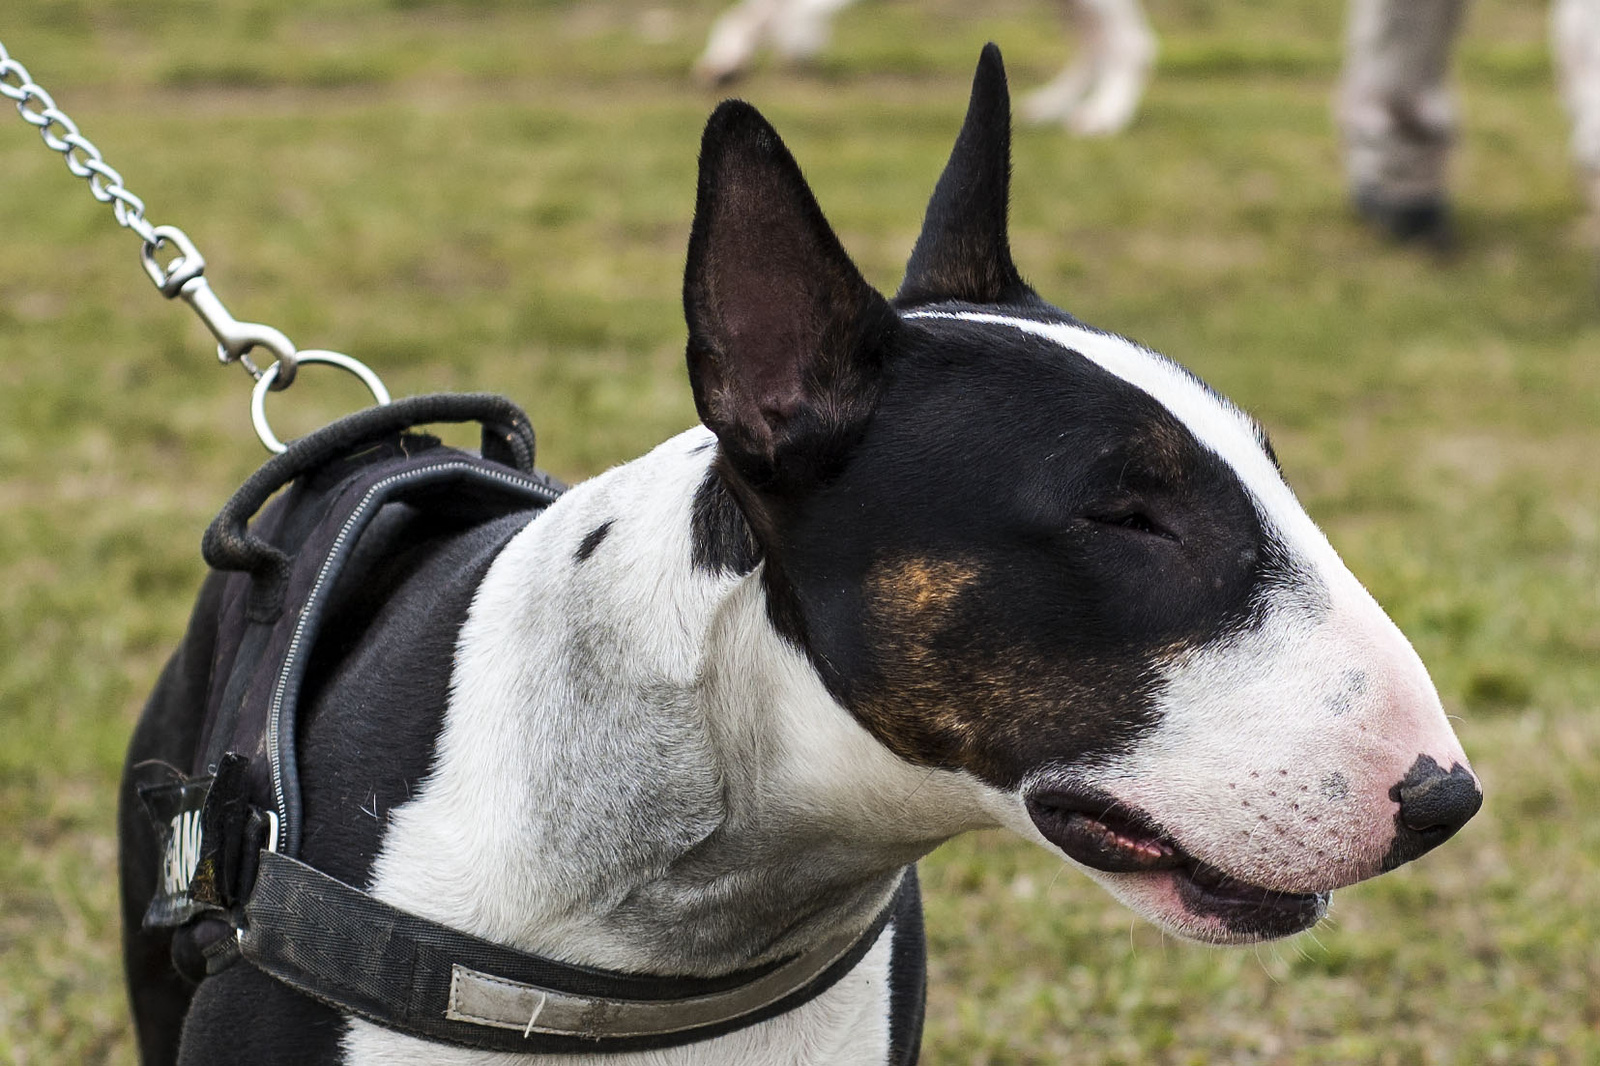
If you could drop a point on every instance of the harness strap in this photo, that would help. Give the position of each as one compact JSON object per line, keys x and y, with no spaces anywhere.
{"x":359,"y":954}
{"x":229,"y":544}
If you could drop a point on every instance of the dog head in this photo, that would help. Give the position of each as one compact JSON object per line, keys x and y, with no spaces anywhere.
{"x":1019,"y":547}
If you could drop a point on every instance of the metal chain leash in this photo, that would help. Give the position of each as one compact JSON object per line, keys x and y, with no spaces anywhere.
{"x":183,"y":276}
{"x":38,"y":109}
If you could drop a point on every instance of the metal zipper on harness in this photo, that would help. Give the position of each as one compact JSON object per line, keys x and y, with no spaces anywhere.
{"x":289,"y":835}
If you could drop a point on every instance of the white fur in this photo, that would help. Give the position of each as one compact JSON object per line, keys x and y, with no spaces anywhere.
{"x":1575,"y":42}
{"x":797,"y":29}
{"x":634,"y":763}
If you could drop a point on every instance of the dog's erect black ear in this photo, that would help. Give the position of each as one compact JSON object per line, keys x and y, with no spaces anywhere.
{"x":786,"y":338}
{"x":963,"y":252}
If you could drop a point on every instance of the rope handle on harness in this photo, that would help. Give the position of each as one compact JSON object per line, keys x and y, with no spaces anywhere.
{"x":229,"y":544}
{"x":182,"y":276}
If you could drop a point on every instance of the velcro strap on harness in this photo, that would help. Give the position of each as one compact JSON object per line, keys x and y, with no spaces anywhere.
{"x":357,"y":953}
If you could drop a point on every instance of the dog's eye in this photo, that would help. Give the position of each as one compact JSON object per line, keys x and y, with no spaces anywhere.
{"x":1137,"y":521}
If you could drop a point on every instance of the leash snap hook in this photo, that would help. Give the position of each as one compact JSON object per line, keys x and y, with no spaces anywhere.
{"x":189,"y":264}
{"x":184,"y":277}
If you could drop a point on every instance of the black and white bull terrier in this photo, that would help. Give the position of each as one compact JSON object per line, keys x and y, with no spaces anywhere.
{"x":934,"y":563}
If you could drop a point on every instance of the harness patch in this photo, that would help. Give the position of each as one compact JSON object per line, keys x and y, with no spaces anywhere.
{"x":183,"y":852}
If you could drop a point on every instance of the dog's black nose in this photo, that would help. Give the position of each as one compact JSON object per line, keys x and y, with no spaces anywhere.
{"x":1434,"y":803}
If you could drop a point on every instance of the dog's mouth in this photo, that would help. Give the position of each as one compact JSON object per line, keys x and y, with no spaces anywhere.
{"x":1104,"y":834}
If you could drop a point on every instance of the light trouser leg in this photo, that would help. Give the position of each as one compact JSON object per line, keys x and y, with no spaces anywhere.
{"x":1575,"y":41}
{"x":1395,"y":111}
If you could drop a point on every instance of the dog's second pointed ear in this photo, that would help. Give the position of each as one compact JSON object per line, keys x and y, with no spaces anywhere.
{"x":963,"y":252}
{"x":786,"y":338}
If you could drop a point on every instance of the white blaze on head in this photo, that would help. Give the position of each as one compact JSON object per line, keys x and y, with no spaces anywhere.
{"x":1278,"y":745}
{"x":1218,"y":425}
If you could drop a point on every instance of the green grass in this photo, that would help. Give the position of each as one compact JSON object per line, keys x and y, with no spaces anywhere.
{"x":474,"y":194}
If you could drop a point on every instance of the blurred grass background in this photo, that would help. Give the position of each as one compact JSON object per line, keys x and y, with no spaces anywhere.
{"x":480,"y":195}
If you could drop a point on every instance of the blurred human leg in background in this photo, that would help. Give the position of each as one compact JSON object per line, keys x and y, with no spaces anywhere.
{"x":1397,"y":115}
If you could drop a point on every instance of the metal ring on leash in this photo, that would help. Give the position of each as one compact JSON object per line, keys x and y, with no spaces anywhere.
{"x":258,"y":395}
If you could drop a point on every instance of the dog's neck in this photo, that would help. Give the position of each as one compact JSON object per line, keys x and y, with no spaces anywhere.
{"x":637,"y":771}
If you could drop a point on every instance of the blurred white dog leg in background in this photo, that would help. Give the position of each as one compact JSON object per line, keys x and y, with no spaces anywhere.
{"x":1575,"y":43}
{"x":735,"y":36}
{"x":801,"y":29}
{"x":1098,"y":92}
{"x":797,"y":29}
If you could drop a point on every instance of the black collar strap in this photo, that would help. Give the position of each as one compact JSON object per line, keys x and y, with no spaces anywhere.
{"x":361,"y":955}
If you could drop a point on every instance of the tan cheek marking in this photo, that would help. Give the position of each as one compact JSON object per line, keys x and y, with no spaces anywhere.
{"x":941,"y":695}
{"x":907,"y":591}
{"x":910,"y":601}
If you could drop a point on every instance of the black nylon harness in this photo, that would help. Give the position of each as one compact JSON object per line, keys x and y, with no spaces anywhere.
{"x":232,"y":824}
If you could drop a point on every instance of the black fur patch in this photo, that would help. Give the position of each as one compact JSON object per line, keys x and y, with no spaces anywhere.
{"x":719,"y":535}
{"x":963,"y":252}
{"x":1017,"y":545}
{"x":592,"y":540}
{"x":784,"y":332}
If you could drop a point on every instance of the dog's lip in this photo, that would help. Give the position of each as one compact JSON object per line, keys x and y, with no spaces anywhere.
{"x":1105,"y":834}
{"x":1102,"y":833}
{"x":1240,"y":905}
